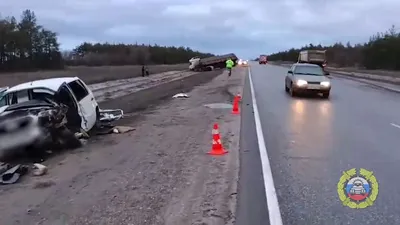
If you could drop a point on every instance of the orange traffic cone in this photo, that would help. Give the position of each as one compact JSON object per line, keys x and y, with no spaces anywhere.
{"x":235,"y":109}
{"x":217,"y":148}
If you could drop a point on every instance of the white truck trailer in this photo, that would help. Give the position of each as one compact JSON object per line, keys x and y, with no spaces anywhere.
{"x":317,"y":57}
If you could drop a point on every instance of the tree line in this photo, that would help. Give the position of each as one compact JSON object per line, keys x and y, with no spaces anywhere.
{"x":128,"y":54}
{"x":26,"y":45}
{"x":382,"y":51}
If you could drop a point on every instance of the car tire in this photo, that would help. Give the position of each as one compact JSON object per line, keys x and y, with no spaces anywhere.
{"x":286,"y":88}
{"x":325,"y":95}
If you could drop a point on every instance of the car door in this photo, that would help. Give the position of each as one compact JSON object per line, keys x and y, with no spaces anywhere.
{"x":92,"y":98}
{"x":85,"y":101}
{"x":75,"y":116}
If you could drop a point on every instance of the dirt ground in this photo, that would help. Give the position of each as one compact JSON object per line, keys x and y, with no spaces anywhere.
{"x":90,"y":75}
{"x":158,"y":174}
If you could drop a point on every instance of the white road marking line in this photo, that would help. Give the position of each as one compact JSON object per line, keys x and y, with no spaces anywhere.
{"x":395,"y":125}
{"x":274,"y":212}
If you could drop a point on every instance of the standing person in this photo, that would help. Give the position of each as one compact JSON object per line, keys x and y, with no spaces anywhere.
{"x":229,"y":64}
{"x":143,"y":71}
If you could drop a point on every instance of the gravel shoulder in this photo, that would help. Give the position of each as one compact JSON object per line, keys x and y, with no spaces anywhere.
{"x":373,"y":72}
{"x":158,"y":174}
{"x":90,"y":75}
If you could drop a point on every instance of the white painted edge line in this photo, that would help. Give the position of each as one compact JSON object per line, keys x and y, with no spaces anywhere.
{"x":395,"y":125}
{"x":275,"y":217}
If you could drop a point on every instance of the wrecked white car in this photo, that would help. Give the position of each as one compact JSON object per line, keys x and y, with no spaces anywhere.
{"x":34,"y":113}
{"x":70,"y":91}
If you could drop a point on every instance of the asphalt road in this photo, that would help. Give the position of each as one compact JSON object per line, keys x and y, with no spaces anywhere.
{"x":310,"y":142}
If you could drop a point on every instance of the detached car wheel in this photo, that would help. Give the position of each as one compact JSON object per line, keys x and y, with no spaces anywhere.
{"x":325,"y":95}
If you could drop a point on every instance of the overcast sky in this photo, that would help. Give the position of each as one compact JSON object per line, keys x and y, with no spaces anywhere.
{"x":245,"y":27}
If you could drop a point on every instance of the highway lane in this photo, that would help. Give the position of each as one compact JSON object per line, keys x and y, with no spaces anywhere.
{"x":311,"y":141}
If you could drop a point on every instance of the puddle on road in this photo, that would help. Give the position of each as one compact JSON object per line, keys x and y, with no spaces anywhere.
{"x":219,"y":106}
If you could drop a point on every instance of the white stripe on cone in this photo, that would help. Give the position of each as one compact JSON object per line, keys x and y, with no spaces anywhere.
{"x":216,"y":142}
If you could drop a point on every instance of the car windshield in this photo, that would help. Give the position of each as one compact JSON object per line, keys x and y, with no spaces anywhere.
{"x":309,"y":70}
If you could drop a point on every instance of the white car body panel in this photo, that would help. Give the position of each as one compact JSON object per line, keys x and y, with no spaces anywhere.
{"x":88,"y":112}
{"x":89,"y":106}
{"x":51,"y":83}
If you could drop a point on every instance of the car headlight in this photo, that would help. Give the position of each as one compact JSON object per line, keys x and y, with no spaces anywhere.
{"x":325,"y":83}
{"x":301,"y":83}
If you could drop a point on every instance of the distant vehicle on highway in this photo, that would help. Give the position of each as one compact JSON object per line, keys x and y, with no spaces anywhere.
{"x":242,"y":62}
{"x":317,"y":57}
{"x":307,"y":78}
{"x":262,"y":59}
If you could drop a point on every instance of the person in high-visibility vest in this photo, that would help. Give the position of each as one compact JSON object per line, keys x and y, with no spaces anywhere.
{"x":229,"y":64}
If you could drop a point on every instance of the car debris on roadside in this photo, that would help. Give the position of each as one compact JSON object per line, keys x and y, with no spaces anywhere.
{"x":109,"y":129}
{"x":181,"y":95}
{"x":39,"y":169}
{"x":48,"y":114}
{"x":108,"y":115}
{"x":10,"y":174}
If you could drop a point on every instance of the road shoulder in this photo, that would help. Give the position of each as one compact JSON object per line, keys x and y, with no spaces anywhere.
{"x":252,"y":203}
{"x":158,"y":174}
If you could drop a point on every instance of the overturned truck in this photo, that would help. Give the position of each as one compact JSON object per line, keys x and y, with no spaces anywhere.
{"x":43,"y":114}
{"x":210,"y":63}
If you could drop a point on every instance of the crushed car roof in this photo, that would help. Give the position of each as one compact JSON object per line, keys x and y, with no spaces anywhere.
{"x":51,"y":83}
